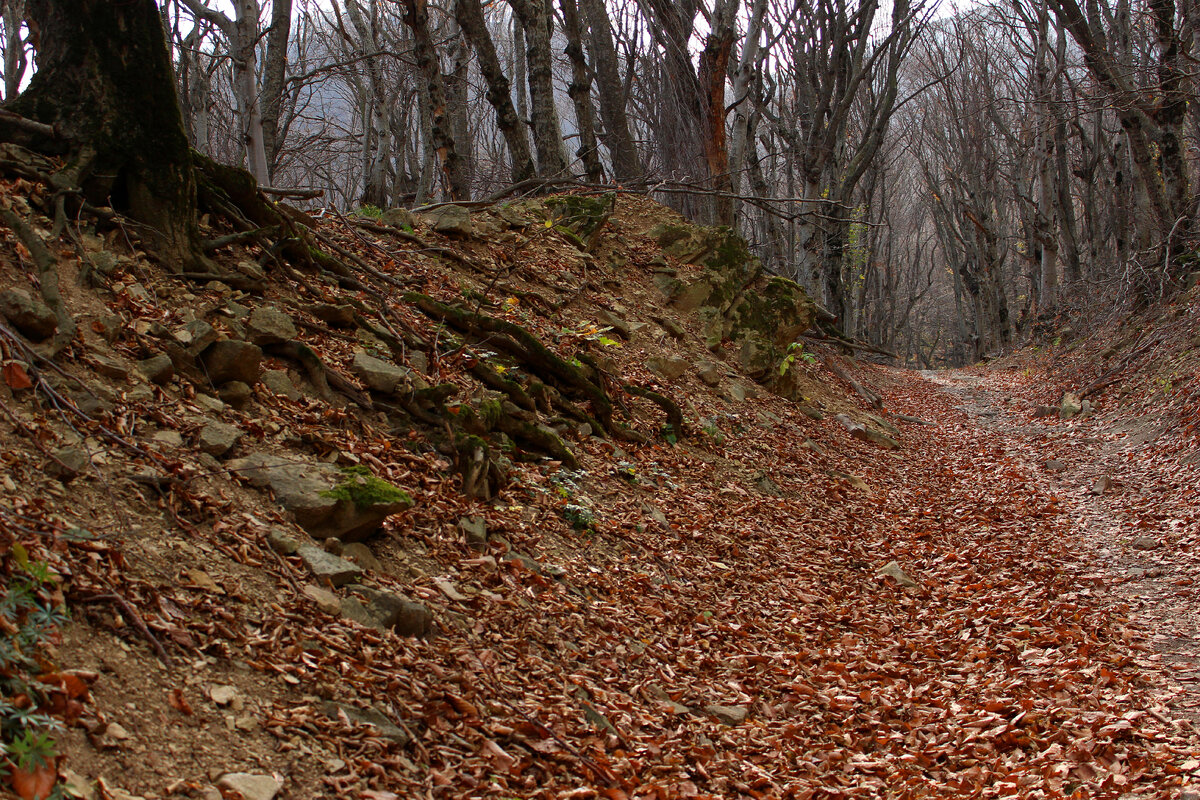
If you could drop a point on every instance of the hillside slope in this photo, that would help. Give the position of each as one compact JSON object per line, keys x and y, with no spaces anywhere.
{"x":533,"y":502}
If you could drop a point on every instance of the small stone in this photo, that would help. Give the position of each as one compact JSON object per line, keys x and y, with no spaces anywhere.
{"x":218,"y":438}
{"x":30,"y":316}
{"x":223,"y":695}
{"x":811,"y":412}
{"x":112,"y":368}
{"x":384,"y":611}
{"x":1145,"y":543}
{"x":1069,"y":406}
{"x":157,"y":369}
{"x":324,"y":599}
{"x":669,"y":367}
{"x":71,"y":462}
{"x":362,"y":555}
{"x":451,"y":220}
{"x":368,"y":716}
{"x":892,"y":570}
{"x":378,"y":374}
{"x":236,"y":394}
{"x":232,"y":360}
{"x":195,"y":336}
{"x":268,"y":325}
{"x":474,"y":530}
{"x":1054,"y":465}
{"x":251,"y":786}
{"x":339,"y":316}
{"x":210,"y":402}
{"x":710,"y":373}
{"x":399,"y":218}
{"x":1044,"y":411}
{"x":730,"y":715}
{"x":1102,"y":485}
{"x":326,"y":567}
{"x":282,"y":542}
{"x":450,"y":590}
{"x":278,"y":382}
{"x":168,"y":438}
{"x":672,"y":327}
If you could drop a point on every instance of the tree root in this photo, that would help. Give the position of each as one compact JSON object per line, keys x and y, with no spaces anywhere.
{"x":674,"y":424}
{"x":47,"y":268}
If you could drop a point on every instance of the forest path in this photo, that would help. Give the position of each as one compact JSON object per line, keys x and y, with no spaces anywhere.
{"x":1129,"y":511}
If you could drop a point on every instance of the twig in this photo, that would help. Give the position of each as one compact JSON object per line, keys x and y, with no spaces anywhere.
{"x":134,"y":617}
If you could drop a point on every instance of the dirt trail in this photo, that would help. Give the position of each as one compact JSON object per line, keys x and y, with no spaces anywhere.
{"x":1129,"y":510}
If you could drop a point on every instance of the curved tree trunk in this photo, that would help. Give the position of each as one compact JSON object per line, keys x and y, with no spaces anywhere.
{"x":104,"y":79}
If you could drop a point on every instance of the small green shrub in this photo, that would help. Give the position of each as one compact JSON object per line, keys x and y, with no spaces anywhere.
{"x":362,"y":488}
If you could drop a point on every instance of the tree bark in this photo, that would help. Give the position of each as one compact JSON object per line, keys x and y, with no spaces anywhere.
{"x":105,"y":79}
{"x":617,"y":137}
{"x":469,"y":14}
{"x":274,"y":73}
{"x":547,"y":132}
{"x":580,"y":91}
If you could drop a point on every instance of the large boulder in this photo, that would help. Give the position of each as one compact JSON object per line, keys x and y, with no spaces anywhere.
{"x":379,"y":375}
{"x":30,"y":316}
{"x":347,"y":504}
{"x":450,"y":220}
{"x":268,"y":325}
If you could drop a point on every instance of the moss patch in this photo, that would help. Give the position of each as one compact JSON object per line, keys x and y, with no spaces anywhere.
{"x":364,"y":490}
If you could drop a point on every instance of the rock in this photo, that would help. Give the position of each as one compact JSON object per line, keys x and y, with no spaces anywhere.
{"x":195,"y":336}
{"x":387,"y":611}
{"x":250,"y":786}
{"x":668,"y":367}
{"x":30,"y":316}
{"x":810,"y":412}
{"x":730,"y":715}
{"x":378,"y":374}
{"x":232,"y":360}
{"x":116,"y":369}
{"x":1102,"y":485}
{"x":673,"y":328}
{"x":224,"y":695}
{"x":892,"y":570}
{"x":1069,"y":406}
{"x":867,"y":434}
{"x":692,"y":296}
{"x":346,"y":504}
{"x":474,"y":530}
{"x":756,"y":355}
{"x":451,"y":591}
{"x":368,"y":716}
{"x":419,"y":361}
{"x":1054,"y":465}
{"x":1044,"y":411}
{"x":611,"y":319}
{"x":282,"y":542}
{"x":325,"y":600}
{"x":1086,"y":409}
{"x":169,"y":438}
{"x":268,"y":325}
{"x":337,"y":315}
{"x":326,"y":567}
{"x":764,"y":484}
{"x":1145,"y":543}
{"x":157,"y":369}
{"x":450,"y":220}
{"x":362,"y":555}
{"x":214,"y":404}
{"x":71,"y":462}
{"x":236,"y":394}
{"x":710,"y":373}
{"x":218,"y":438}
{"x":737,"y":393}
{"x":278,"y":382}
{"x":399,"y":218}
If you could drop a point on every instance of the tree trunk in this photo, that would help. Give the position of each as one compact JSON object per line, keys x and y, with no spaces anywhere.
{"x":547,"y":132}
{"x":469,"y":14}
{"x":15,"y":61}
{"x":105,"y":79}
{"x":612,"y":92}
{"x":274,"y":73}
{"x":714,"y":64}
{"x":580,"y":92}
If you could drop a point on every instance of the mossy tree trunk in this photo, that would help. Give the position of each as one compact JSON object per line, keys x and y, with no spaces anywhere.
{"x":104,"y":81}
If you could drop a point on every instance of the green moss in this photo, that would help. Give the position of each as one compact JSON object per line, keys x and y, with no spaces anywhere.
{"x":580,"y":215}
{"x":362,"y":488}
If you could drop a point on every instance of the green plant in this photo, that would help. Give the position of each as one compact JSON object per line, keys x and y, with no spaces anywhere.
{"x":362,"y":488}
{"x":581,"y":518}
{"x":795,"y":350}
{"x":29,"y":618}
{"x":369,"y":211}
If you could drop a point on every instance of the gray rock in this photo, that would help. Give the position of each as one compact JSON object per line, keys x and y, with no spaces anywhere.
{"x":318,"y":496}
{"x":214,"y":404}
{"x":30,"y":316}
{"x":236,"y":394}
{"x":72,"y":461}
{"x":378,"y":374}
{"x":250,"y":786}
{"x":169,"y":438}
{"x":764,"y":484}
{"x":1086,"y":409}
{"x":692,"y":296}
{"x":611,"y":319}
{"x":362,"y":555}
{"x":1054,"y":465}
{"x":116,"y":369}
{"x":232,"y":360}
{"x":218,"y":438}
{"x":673,"y":328}
{"x":1145,"y":543}
{"x":157,"y":369}
{"x":450,"y":220}
{"x":268,"y":325}
{"x":730,"y":715}
{"x":1102,"y":485}
{"x":195,"y":336}
{"x":337,"y":315}
{"x":669,"y":367}
{"x":1069,"y":406}
{"x":1044,"y":411}
{"x":324,"y":599}
{"x":282,"y":542}
{"x":710,"y":373}
{"x":368,"y":716}
{"x":811,"y":412}
{"x":327,"y":567}
{"x":399,"y":218}
{"x":474,"y":530}
{"x":737,"y":393}
{"x":387,"y":611}
{"x":892,"y":570}
{"x":867,"y":434}
{"x":279,"y":382}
